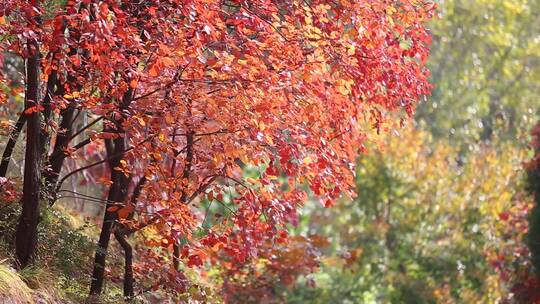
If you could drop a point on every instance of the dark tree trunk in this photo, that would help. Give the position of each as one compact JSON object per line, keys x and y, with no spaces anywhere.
{"x":185,"y":175}
{"x":176,"y":255}
{"x":56,"y":160}
{"x":128,"y":265}
{"x":26,"y":235}
{"x":10,"y":146}
{"x":117,"y":193}
{"x":47,"y":109}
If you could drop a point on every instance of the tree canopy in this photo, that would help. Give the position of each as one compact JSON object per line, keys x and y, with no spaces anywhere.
{"x":177,"y":98}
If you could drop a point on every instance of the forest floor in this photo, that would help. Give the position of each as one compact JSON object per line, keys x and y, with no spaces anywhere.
{"x":63,"y":263}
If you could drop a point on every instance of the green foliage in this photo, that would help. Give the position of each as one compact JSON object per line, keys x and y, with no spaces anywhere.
{"x":68,"y":247}
{"x":485,"y":65}
{"x":64,"y":256}
{"x":419,"y":231}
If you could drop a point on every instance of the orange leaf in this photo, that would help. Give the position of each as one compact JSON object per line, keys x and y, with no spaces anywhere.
{"x":133,"y":83}
{"x":34,"y":109}
{"x":152,"y":71}
{"x":167,"y":61}
{"x":124,"y":212}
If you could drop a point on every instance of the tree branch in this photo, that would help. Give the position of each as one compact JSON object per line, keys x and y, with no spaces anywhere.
{"x":120,"y":153}
{"x":10,"y":145}
{"x":84,"y":128}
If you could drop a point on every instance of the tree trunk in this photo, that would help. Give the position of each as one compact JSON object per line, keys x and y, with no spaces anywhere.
{"x":26,"y":235}
{"x":117,"y":193}
{"x":185,"y":175}
{"x":10,"y":146}
{"x":128,"y":265}
{"x":47,"y":110}
{"x":176,"y":255}
{"x":57,"y":157}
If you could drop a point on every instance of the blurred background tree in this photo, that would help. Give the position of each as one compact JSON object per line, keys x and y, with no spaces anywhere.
{"x":422,"y":228}
{"x":485,"y":65}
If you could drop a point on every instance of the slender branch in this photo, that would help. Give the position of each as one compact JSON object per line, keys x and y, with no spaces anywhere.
{"x":79,"y":170}
{"x":221,"y":131}
{"x":83,"y":198}
{"x":237,"y":181}
{"x":166,"y":86}
{"x":176,"y":78}
{"x":100,"y":162}
{"x":84,"y":128}
{"x":72,"y":149}
{"x":206,"y":213}
{"x":178,"y":152}
{"x":138,"y":189}
{"x":10,"y":145}
{"x":187,"y":163}
{"x":173,"y":165}
{"x":267,"y":22}
{"x":201,"y":189}
{"x":79,"y":111}
{"x":87,"y":196}
{"x":218,"y":81}
{"x":185,"y":176}
{"x":81,"y":144}
{"x":158,"y":216}
{"x":226,"y":207}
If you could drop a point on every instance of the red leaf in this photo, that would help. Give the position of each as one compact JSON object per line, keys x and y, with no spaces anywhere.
{"x":113,"y":208}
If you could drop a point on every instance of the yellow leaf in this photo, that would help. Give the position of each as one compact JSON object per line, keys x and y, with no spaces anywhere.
{"x":141,"y":121}
{"x":343,"y":90}
{"x":351,"y":50}
{"x":73,"y":95}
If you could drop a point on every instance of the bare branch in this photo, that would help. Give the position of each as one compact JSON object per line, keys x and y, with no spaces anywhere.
{"x":101,"y":161}
{"x":84,"y":128}
{"x":201,"y":189}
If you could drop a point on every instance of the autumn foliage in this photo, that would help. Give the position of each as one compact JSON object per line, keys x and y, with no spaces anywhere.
{"x":182,"y":96}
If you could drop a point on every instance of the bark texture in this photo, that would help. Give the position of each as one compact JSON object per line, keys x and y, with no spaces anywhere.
{"x":26,"y":235}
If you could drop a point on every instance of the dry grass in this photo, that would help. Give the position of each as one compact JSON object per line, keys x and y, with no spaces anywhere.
{"x":12,"y":287}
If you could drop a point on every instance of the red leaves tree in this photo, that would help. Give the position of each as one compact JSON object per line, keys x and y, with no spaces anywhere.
{"x":191,"y":93}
